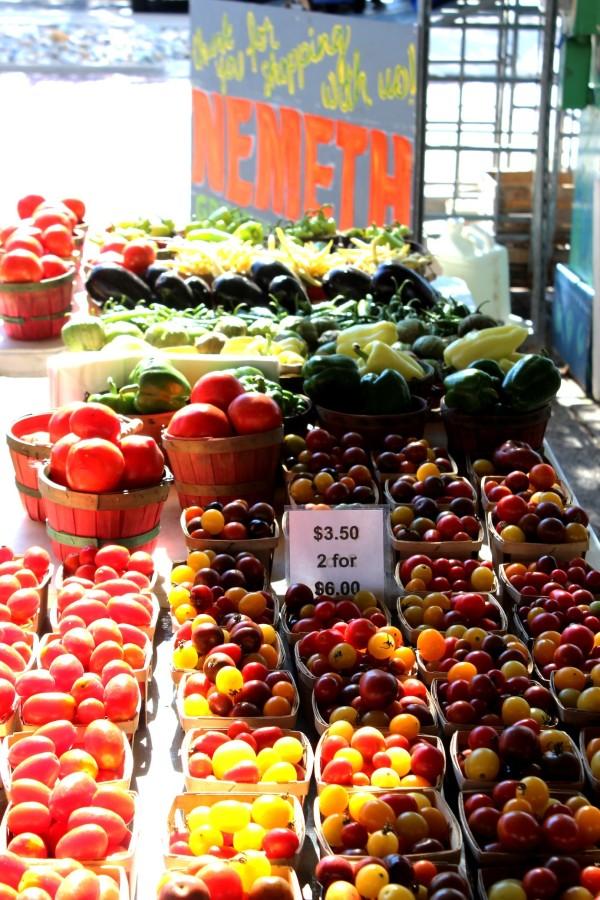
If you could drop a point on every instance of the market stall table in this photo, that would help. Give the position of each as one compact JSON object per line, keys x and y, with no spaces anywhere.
{"x":158,"y":772}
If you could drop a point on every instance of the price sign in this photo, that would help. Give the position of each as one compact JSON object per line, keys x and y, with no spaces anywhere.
{"x":337,"y":551}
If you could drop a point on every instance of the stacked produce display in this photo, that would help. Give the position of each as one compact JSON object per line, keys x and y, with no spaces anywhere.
{"x":439,"y":738}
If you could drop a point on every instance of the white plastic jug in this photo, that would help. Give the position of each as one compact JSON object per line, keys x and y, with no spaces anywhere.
{"x":470,"y":253}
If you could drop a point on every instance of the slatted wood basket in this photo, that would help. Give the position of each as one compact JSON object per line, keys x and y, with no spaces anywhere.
{"x":451,"y":854}
{"x":224,"y":469}
{"x":214,"y":785}
{"x":183,"y":804}
{"x":36,"y":311}
{"x":262,"y":548}
{"x":76,"y":519}
{"x":26,"y":457}
{"x":154,"y":424}
{"x":124,"y":861}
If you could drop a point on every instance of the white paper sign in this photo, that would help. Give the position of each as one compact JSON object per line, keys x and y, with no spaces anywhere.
{"x":337,"y":552}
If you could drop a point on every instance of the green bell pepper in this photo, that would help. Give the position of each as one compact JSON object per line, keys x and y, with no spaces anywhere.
{"x":159,"y":387}
{"x":120,"y":401}
{"x":532,"y":382}
{"x":490,"y":366}
{"x":332,"y":381}
{"x":471,"y":391}
{"x":244,"y":371}
{"x":384,"y":393}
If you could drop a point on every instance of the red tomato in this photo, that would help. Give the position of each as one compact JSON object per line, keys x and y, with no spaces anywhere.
{"x":6,"y":232}
{"x":590,"y":879}
{"x":519,"y":831}
{"x":58,"y":425}
{"x":116,"y":244}
{"x":76,"y":206}
{"x":21,"y":266}
{"x":511,"y":509}
{"x":94,"y":420}
{"x":138,"y":255}
{"x":58,"y":457}
{"x":27,"y":205}
{"x":44,"y":218}
{"x":22,"y":241}
{"x":199,"y":420}
{"x":144,"y":461}
{"x":58,"y":239}
{"x":94,"y":465}
{"x":542,"y":477}
{"x":427,"y":761}
{"x":218,"y":388}
{"x":53,"y":266}
{"x":221,"y":880}
{"x":251,"y":413}
{"x":280,"y":843}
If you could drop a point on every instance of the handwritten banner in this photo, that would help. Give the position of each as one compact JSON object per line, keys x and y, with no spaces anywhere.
{"x":293,"y":110}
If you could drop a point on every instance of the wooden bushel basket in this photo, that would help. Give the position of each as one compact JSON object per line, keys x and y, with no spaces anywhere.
{"x":224,"y":469}
{"x":77,"y":519}
{"x":25,"y":458}
{"x":36,"y":311}
{"x":154,"y":424}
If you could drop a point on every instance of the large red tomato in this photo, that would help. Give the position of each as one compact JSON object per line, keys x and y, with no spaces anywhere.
{"x":144,"y":461}
{"x":94,"y":420}
{"x":76,"y":206}
{"x":58,"y":425}
{"x":199,"y":420}
{"x":58,"y":239}
{"x":251,"y":413}
{"x":44,"y":218}
{"x":27,"y":205}
{"x":94,"y":465}
{"x":53,"y":266}
{"x":20,"y":266}
{"x":20,"y":240}
{"x":218,"y":388}
{"x":58,"y":457}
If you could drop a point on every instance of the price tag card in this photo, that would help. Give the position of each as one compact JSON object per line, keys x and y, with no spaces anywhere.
{"x":337,"y":551}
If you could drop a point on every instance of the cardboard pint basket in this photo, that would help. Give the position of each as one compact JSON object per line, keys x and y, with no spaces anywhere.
{"x":36,"y":311}
{"x":76,"y":519}
{"x":242,"y":467}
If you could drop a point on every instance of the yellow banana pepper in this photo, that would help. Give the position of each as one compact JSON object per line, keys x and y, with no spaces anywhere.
{"x":289,"y":358}
{"x":365,"y":334}
{"x":378,"y":356}
{"x":490,"y":343}
{"x":244,"y":344}
{"x":293,"y":345}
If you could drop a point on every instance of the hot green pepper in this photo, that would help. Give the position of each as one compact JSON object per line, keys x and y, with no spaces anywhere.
{"x":532,"y":382}
{"x":383,"y":394}
{"x":332,"y":381}
{"x":159,"y":387}
{"x":471,"y":391}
